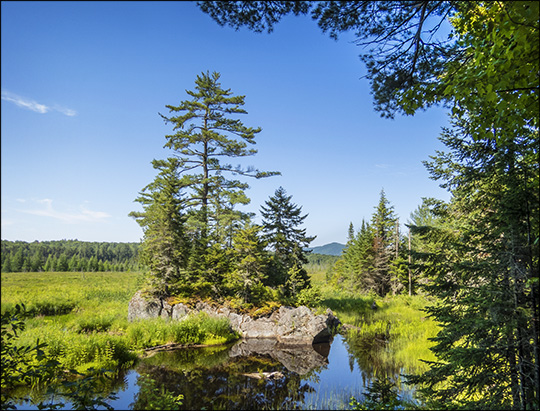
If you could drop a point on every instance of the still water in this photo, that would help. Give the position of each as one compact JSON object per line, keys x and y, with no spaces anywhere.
{"x":257,"y":374}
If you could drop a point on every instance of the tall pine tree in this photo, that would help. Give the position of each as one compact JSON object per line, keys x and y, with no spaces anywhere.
{"x":205,"y":133}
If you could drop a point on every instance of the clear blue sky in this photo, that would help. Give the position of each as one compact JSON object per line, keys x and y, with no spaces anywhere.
{"x":83,"y":82}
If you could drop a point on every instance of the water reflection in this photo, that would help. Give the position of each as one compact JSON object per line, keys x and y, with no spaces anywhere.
{"x":252,"y":374}
{"x":259,"y":374}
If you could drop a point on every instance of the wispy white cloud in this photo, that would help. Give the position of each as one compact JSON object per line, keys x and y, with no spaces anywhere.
{"x":84,"y":215}
{"x":34,"y":105}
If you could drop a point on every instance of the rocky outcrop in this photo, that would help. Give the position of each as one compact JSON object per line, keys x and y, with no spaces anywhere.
{"x":288,"y":325}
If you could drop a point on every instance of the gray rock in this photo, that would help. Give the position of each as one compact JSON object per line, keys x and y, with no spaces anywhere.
{"x":288,"y":325}
{"x":179,"y":311}
{"x":142,"y":307}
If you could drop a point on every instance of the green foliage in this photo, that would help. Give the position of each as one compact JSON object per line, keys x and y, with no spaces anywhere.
{"x":153,"y":396}
{"x":164,"y":249}
{"x":500,"y":61}
{"x":487,"y":348}
{"x":381,"y":395}
{"x":251,"y":262}
{"x":73,"y":255}
{"x":369,"y":263}
{"x":310,"y":297}
{"x":30,"y":365}
{"x":281,"y":225}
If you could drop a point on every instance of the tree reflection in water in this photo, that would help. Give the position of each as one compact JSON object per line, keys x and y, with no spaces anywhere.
{"x":252,"y":374}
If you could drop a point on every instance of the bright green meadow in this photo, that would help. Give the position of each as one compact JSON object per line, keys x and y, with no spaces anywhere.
{"x":83,"y":319}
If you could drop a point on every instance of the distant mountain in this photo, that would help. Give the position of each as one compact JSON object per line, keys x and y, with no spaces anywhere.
{"x":328,"y":249}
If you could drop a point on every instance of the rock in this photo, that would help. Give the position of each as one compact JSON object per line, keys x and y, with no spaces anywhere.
{"x":275,"y":375}
{"x":260,"y":328}
{"x":296,"y":326}
{"x":141,"y":307}
{"x":288,"y":325}
{"x":179,"y":311}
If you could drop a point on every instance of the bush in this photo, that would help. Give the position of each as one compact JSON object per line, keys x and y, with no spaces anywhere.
{"x":310,"y":297}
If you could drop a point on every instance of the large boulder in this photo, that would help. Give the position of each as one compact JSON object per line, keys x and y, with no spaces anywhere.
{"x":142,"y":307}
{"x":288,"y":326}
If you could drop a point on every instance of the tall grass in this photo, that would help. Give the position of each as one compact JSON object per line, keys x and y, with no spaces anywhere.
{"x":396,"y":333}
{"x":83,"y":318}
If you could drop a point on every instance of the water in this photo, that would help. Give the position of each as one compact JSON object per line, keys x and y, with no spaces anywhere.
{"x":254,"y":374}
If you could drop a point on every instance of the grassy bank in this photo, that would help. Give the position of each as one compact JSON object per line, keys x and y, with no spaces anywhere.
{"x":394,"y":335}
{"x":82,"y":317}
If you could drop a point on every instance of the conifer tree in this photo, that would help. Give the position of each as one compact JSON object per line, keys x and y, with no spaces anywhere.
{"x":204,"y":134}
{"x":251,"y":263}
{"x":6,"y":266}
{"x":383,"y":222}
{"x":281,"y":225}
{"x":165,"y":248}
{"x":485,"y":274}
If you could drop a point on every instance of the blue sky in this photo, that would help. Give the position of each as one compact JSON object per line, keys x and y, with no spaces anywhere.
{"x":83,"y":83}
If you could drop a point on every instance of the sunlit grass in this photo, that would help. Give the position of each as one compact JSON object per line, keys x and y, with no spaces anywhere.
{"x":82,"y":317}
{"x":398,"y":329}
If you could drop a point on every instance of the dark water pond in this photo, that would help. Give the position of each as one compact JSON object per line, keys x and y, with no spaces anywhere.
{"x":256,"y":374}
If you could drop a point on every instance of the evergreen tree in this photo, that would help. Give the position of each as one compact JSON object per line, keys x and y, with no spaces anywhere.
{"x":6,"y":266}
{"x":251,"y":263}
{"x":17,"y":261}
{"x":203,"y":135}
{"x":62,"y":264}
{"x":486,"y":274}
{"x":164,"y":249}
{"x":37,"y":261}
{"x":281,"y":226}
{"x":383,"y":223}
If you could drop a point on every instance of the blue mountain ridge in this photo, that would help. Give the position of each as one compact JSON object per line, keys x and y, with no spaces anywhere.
{"x":328,"y":249}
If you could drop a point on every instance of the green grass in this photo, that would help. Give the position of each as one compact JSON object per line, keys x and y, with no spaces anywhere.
{"x":395,"y":334}
{"x":83,"y":318}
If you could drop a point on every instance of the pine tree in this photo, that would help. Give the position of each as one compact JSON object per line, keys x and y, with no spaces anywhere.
{"x":281,"y":222}
{"x":203,"y":135}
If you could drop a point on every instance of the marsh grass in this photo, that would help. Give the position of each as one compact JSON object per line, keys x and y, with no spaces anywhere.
{"x":395,"y":334}
{"x":82,"y":317}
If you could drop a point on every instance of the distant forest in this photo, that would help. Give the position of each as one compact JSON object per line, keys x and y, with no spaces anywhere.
{"x":75,"y":255}
{"x":68,"y":255}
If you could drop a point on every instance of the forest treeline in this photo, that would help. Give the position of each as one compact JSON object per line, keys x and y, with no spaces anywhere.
{"x":68,"y":255}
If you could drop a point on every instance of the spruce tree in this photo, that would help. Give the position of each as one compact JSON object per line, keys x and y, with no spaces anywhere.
{"x":165,"y":248}
{"x":281,"y":225}
{"x":383,"y":223}
{"x":483,"y":267}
